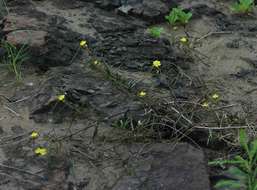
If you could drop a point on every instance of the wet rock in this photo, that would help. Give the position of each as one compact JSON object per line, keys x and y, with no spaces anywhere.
{"x":49,"y":42}
{"x":125,"y":9}
{"x":200,"y":10}
{"x":153,"y":11}
{"x":233,"y":44}
{"x":71,"y":4}
{"x":14,"y":22}
{"x":85,"y":90}
{"x":17,"y":129}
{"x":1,"y":130}
{"x":166,"y":167}
{"x":2,"y":52}
{"x":162,"y":81}
{"x":134,"y":50}
{"x":33,"y":39}
{"x":150,"y":10}
{"x":235,"y":23}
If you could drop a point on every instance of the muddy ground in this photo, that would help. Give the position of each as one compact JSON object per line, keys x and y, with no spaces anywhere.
{"x":104,"y":135}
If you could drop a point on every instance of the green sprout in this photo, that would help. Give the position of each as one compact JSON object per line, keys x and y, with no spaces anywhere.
{"x":14,"y":58}
{"x":156,"y":31}
{"x":244,"y":169}
{"x":122,"y":124}
{"x":177,"y":15}
{"x":243,"y":6}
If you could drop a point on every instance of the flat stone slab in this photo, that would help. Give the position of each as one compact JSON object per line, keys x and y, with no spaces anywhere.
{"x":167,"y":167}
{"x":35,"y":39}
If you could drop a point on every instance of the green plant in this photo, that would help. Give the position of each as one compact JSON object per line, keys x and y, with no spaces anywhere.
{"x":177,"y":15}
{"x":122,"y":124}
{"x":156,"y":31}
{"x":3,"y":8}
{"x":243,"y":6}
{"x":14,"y":58}
{"x":244,"y":170}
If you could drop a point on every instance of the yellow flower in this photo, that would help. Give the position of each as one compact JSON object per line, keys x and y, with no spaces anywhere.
{"x":34,"y":135}
{"x":142,"y":94}
{"x":183,"y":40}
{"x":175,"y":28}
{"x":96,"y":62}
{"x":215,"y":96}
{"x":205,"y":105}
{"x":157,"y":64}
{"x":139,"y":122}
{"x":41,"y":151}
{"x":61,"y":98}
{"x":83,"y":43}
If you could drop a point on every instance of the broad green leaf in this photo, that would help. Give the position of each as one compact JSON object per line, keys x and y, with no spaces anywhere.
{"x":255,"y":186}
{"x":243,"y":139}
{"x":244,"y":6}
{"x":178,"y":15}
{"x":253,"y":150}
{"x":228,"y":184}
{"x":237,"y":173}
{"x":242,"y":162}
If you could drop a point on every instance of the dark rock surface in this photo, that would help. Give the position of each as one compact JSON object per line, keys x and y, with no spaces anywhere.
{"x":97,"y":159}
{"x":85,"y":90}
{"x":134,"y":50}
{"x":150,"y":10}
{"x":166,"y":167}
{"x":50,"y":43}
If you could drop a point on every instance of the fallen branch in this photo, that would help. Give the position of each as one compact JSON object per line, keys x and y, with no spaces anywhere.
{"x":223,"y":128}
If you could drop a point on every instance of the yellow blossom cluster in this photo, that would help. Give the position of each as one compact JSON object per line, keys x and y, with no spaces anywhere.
{"x":40,"y":151}
{"x":213,"y":97}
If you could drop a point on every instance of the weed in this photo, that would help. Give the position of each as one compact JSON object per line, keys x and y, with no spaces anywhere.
{"x":3,"y":8}
{"x":156,"y":31}
{"x":122,"y":124}
{"x":117,"y":78}
{"x":14,"y":58}
{"x":243,"y":6}
{"x":244,"y":170}
{"x":177,"y":15}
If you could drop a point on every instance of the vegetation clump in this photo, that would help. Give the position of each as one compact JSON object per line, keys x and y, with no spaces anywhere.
{"x":156,"y":32}
{"x":243,"y":6}
{"x":178,"y":15}
{"x":244,"y":170}
{"x":14,"y":58}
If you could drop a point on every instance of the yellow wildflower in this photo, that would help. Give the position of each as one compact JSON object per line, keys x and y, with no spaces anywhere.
{"x":96,"y":62}
{"x":183,"y":40}
{"x":83,"y":43}
{"x":157,"y":64}
{"x":142,"y":94}
{"x":34,"y":135}
{"x":139,"y":122}
{"x":61,"y":98}
{"x":215,"y":96}
{"x":205,"y":105}
{"x":41,"y":151}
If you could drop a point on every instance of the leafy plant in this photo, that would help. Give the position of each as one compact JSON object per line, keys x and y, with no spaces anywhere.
{"x":156,"y":31}
{"x":122,"y":124}
{"x":243,"y":6}
{"x":244,"y":170}
{"x":14,"y":58}
{"x":177,"y":15}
